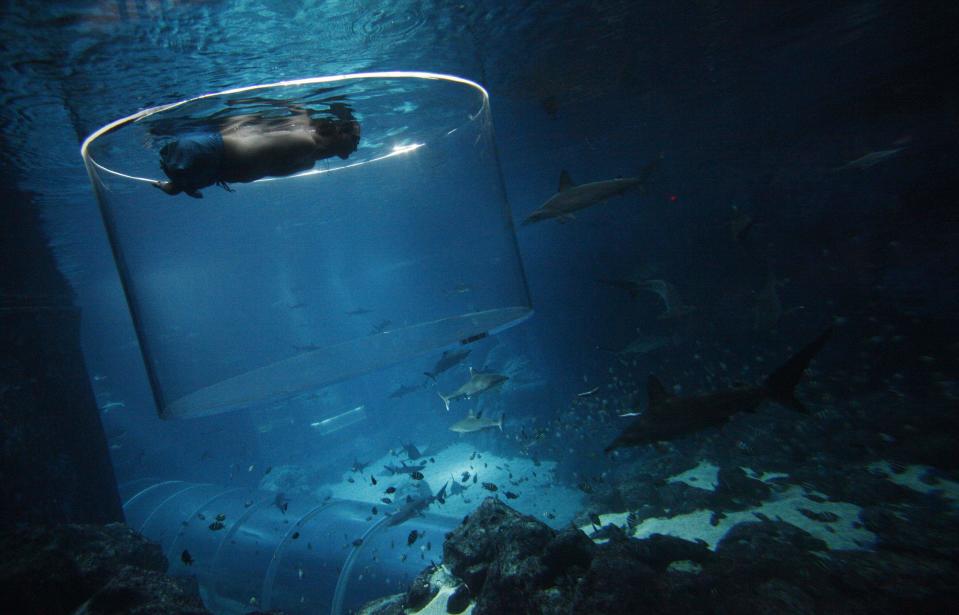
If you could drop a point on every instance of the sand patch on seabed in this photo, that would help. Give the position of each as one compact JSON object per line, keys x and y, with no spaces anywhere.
{"x":911,"y":478}
{"x":539,"y":494}
{"x":844,"y":533}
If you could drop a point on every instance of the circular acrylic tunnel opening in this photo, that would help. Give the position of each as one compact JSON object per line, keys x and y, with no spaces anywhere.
{"x":287,"y":284}
{"x":253,"y":550}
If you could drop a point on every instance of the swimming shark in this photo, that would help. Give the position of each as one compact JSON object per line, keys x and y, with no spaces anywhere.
{"x":416,"y":506}
{"x":403,"y":391}
{"x":669,"y":417}
{"x":403,"y":469}
{"x":450,"y":359}
{"x":479,"y":382}
{"x":476,"y":422}
{"x":572,"y":197}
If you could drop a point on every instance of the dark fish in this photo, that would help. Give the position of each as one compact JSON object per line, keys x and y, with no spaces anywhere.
{"x":350,"y":480}
{"x":221,"y":517}
{"x":268,"y":470}
{"x":450,"y":358}
{"x":511,"y":496}
{"x":475,"y":476}
{"x":201,"y":516}
{"x":416,"y":475}
{"x":357,"y":542}
{"x":429,"y":546}
{"x":412,"y":537}
{"x":186,"y":558}
{"x":465,"y":477}
{"x":216,"y":525}
{"x":391,"y":489}
{"x":373,"y":479}
{"x":281,"y":502}
{"x":375,"y":511}
{"x":386,"y":500}
{"x":550,"y":515}
{"x":403,"y":391}
{"x":595,"y":520}
{"x":490,"y":487}
{"x":295,"y":535}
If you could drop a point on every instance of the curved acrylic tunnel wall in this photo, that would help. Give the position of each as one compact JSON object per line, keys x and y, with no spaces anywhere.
{"x":245,"y":549}
{"x":287,"y":284}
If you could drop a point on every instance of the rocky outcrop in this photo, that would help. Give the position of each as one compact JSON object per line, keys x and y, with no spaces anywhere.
{"x":89,"y":570}
{"x":506,"y":562}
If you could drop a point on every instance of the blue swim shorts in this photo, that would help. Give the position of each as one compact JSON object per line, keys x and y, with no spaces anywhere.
{"x":192,"y":160}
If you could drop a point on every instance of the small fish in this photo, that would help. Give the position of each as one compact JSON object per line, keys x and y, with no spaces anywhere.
{"x":358,"y":542}
{"x":386,"y":500}
{"x":295,"y":535}
{"x":511,"y":496}
{"x":350,"y":480}
{"x":267,"y":470}
{"x":391,"y":489}
{"x":412,"y":538}
{"x":587,"y":393}
{"x":475,"y":476}
{"x":375,"y":510}
{"x":595,"y":520}
{"x":416,"y":475}
{"x":473,"y":456}
{"x":201,"y":516}
{"x":373,"y":480}
{"x":248,"y":503}
{"x":216,"y":525}
{"x":429,"y":546}
{"x":465,"y":477}
{"x":186,"y":558}
{"x":490,"y":487}
{"x":221,"y":517}
{"x":550,"y":515}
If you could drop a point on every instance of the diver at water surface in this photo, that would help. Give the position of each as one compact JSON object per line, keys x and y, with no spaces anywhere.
{"x":250,"y":147}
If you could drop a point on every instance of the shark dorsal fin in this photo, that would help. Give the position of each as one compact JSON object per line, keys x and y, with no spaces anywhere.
{"x":657,"y":392}
{"x":565,"y":181}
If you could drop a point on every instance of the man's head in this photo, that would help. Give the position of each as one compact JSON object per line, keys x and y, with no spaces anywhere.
{"x":336,"y":137}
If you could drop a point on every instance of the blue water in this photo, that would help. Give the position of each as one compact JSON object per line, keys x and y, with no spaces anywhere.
{"x":761,"y":112}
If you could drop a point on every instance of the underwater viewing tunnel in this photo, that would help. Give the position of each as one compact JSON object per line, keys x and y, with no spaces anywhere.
{"x":257,"y":549}
{"x":255,"y":293}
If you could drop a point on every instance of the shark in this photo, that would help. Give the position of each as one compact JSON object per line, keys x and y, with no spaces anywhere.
{"x":479,"y":382}
{"x":669,"y":417}
{"x":572,"y":197}
{"x":450,"y":359}
{"x":476,"y":422}
{"x":403,"y":468}
{"x":414,"y":507}
{"x":403,"y":391}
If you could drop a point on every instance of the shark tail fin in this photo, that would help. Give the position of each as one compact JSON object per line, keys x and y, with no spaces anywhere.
{"x":565,"y":181}
{"x":781,"y":384}
{"x":446,"y":401}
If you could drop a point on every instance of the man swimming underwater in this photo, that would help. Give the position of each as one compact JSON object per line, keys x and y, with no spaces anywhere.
{"x":248,"y":148}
